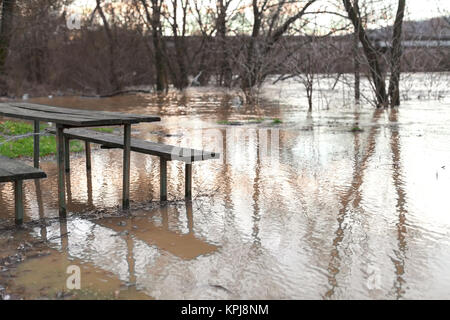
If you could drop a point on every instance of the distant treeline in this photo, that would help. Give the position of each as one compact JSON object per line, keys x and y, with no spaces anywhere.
{"x":110,"y":50}
{"x":81,"y":62}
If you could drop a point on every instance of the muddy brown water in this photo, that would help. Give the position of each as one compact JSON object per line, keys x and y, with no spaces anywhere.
{"x":341,"y":203}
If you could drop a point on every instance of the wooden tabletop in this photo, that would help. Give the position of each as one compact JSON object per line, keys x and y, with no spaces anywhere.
{"x":13,"y":170}
{"x":70,"y":117}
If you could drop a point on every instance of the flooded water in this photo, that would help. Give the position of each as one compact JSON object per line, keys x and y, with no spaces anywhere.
{"x":344,"y":202}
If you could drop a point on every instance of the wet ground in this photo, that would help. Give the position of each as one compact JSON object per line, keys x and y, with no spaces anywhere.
{"x":343,"y":202}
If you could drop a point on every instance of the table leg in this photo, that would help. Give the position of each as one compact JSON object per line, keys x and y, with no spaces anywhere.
{"x":163,"y":179}
{"x":61,"y":177}
{"x":67,"y":154}
{"x":188,"y":181}
{"x":18,"y":197}
{"x":36,"y":144}
{"x":87,"y":147}
{"x":126,"y":167}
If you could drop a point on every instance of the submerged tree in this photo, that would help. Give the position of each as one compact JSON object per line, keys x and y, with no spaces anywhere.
{"x":374,"y":56}
{"x":396,"y":55}
{"x":270,"y":16}
{"x":113,"y":78}
{"x":152,"y":17}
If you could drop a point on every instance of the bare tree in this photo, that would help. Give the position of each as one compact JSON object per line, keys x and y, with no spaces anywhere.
{"x":112,"y":48}
{"x":396,"y":55}
{"x":273,"y":17}
{"x":152,"y":16}
{"x":179,"y":72}
{"x":356,"y":64}
{"x":6,"y":30}
{"x":225,"y":75}
{"x":370,"y":51}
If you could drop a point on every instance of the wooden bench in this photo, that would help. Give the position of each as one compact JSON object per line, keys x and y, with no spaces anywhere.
{"x":16,"y":171}
{"x":163,"y":151}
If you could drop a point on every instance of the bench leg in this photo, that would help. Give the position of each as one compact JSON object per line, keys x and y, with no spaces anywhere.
{"x":190,"y":216}
{"x":163,"y":179}
{"x":61,"y":177}
{"x":18,"y":197}
{"x":188,"y":181}
{"x":36,"y":144}
{"x":126,"y":167}
{"x":87,"y":147}
{"x":67,"y":154}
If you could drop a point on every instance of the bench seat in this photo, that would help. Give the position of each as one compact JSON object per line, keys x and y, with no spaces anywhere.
{"x":16,"y":171}
{"x":110,"y":140}
{"x":163,"y":151}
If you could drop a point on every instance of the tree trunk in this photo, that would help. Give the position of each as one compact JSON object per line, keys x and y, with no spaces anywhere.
{"x":248,"y":78}
{"x":394,"y":81}
{"x":356,"y":66}
{"x":225,"y":76}
{"x":371,"y":54}
{"x":5,"y":31}
{"x":161,"y":73}
{"x":114,"y":81}
{"x":181,"y":80}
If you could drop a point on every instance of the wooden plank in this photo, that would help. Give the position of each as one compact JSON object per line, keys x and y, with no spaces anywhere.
{"x":36,"y":139}
{"x":61,"y":176}
{"x":147,"y":147}
{"x":14,"y":170}
{"x":126,"y":167}
{"x":82,"y":112}
{"x":66,"y":119}
{"x":18,"y":200}
{"x":69,"y":117}
{"x":163,"y":179}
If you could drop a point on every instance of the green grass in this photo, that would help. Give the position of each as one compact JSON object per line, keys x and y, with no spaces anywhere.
{"x":277,"y":121}
{"x":257,"y":120}
{"x":24,"y":147}
{"x":356,"y":129}
{"x":11,"y":128}
{"x":251,"y":121}
{"x":105,"y":130}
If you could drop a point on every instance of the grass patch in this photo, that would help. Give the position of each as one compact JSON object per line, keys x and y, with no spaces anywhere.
{"x":235,"y":123}
{"x":24,"y":147}
{"x":105,"y":130}
{"x":277,"y":121}
{"x":356,"y":129}
{"x":230,"y":123}
{"x":257,"y":120}
{"x":12,"y":128}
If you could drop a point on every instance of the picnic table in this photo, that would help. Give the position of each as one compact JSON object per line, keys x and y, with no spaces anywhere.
{"x":65,"y":118}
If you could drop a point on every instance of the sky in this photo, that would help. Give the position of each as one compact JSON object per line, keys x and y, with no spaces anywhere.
{"x":423,"y":9}
{"x":418,"y":9}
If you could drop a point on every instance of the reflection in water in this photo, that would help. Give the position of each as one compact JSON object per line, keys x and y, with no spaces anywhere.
{"x":341,"y":214}
{"x":37,"y":185}
{"x":354,"y":193}
{"x":400,"y":253}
